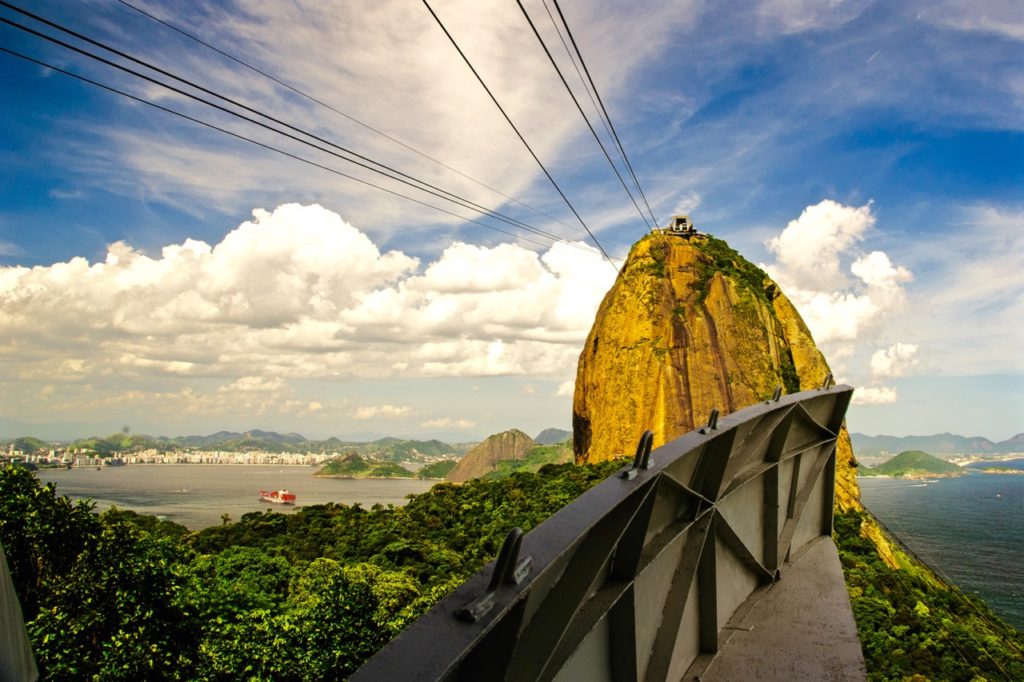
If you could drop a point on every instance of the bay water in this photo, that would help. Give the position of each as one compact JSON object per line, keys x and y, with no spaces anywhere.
{"x":969,"y":529}
{"x":197,"y":495}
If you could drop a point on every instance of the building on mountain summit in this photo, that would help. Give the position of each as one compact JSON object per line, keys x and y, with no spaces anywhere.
{"x":680,"y":226}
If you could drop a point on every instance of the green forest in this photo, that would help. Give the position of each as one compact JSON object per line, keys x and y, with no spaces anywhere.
{"x":311,"y":595}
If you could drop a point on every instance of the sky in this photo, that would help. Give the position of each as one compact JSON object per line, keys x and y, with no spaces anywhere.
{"x":159,"y":274}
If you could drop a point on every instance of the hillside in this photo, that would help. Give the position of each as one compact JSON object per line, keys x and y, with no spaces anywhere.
{"x":481,"y":460}
{"x":29,"y":444}
{"x":913,"y":464}
{"x":437,"y":470}
{"x":552,"y":436}
{"x":690,"y":326}
{"x":354,"y":466}
{"x":536,"y":457}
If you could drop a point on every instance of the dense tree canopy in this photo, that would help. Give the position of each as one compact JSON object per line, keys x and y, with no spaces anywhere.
{"x":313,"y":594}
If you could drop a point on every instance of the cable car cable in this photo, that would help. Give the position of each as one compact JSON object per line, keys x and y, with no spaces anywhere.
{"x":355,"y":120}
{"x":519,"y":134}
{"x":465,"y":203}
{"x":568,"y":30}
{"x":452,"y":197}
{"x":579,"y":108}
{"x":258,"y":143}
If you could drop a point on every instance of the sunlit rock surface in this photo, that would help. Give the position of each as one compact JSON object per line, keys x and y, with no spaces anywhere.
{"x":690,"y":326}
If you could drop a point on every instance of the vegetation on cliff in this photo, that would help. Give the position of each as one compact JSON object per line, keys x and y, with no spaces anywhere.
{"x":483,"y":459}
{"x":354,"y":466}
{"x":912,"y":625}
{"x":302,"y":596}
{"x":437,"y":470}
{"x":913,"y":464}
{"x":313,"y":594}
{"x":536,"y":457}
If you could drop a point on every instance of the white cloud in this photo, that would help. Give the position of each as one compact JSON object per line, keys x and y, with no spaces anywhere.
{"x":687,"y":203}
{"x":999,"y":17}
{"x":965,"y":308}
{"x":875,"y":395}
{"x":408,"y":83}
{"x":447,"y":423}
{"x":791,"y":16}
{"x":566,"y":389}
{"x":297,"y":293}
{"x":896,"y":361}
{"x":255,"y":384}
{"x":808,"y":249}
{"x":381,"y":411}
{"x":809,"y":254}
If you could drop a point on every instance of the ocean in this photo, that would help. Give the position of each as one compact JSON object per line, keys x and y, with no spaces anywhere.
{"x":970,"y":529}
{"x":196,"y":495}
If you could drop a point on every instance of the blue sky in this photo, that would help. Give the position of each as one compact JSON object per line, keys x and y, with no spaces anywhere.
{"x":164,"y":276}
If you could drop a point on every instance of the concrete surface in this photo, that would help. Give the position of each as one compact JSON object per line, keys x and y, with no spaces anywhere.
{"x":801,"y":629}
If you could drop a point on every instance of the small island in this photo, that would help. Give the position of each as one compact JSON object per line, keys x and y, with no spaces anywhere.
{"x":352,"y":465}
{"x":1003,"y":470}
{"x":913,"y":464}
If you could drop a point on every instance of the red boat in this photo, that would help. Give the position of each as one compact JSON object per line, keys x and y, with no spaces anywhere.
{"x":277,"y":496}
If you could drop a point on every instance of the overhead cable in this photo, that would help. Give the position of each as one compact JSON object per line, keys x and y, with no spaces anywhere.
{"x":260,"y":144}
{"x":597,"y":93}
{"x":579,"y":108}
{"x":388,"y":171}
{"x":518,"y":134}
{"x":311,"y":98}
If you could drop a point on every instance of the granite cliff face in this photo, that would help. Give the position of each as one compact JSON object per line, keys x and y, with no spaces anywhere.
{"x":481,"y":460}
{"x":690,"y":326}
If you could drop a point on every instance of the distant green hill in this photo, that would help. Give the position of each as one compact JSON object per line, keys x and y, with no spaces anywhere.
{"x":354,"y":466}
{"x":913,"y":464}
{"x":117,"y":443}
{"x":535,"y":458}
{"x":30,"y":444}
{"x":552,"y":436}
{"x":399,"y":450}
{"x":437,"y":469}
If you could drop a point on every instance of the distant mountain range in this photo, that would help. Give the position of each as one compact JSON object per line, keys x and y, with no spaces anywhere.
{"x":938,"y":444}
{"x":387,"y":449}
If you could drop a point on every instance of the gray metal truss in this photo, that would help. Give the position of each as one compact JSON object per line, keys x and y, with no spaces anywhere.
{"x":640,"y":577}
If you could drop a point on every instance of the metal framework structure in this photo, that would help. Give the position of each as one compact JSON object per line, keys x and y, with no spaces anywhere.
{"x":639,"y":577}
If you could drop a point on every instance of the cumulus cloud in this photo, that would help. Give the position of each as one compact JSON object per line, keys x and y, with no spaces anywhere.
{"x":298,"y":293}
{"x":896,"y":361}
{"x":566,"y":389}
{"x":875,"y":395}
{"x":381,"y":411}
{"x":808,"y":249}
{"x":447,"y":423}
{"x":810,"y":253}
